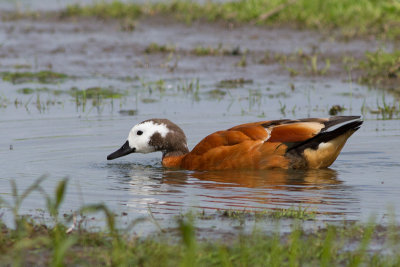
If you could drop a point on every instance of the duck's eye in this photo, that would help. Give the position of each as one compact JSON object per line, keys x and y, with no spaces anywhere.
{"x":139,"y":133}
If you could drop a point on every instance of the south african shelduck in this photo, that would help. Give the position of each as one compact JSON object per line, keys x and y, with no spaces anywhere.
{"x":288,"y":144}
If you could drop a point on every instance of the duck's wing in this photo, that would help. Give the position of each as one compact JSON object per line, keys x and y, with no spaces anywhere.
{"x":292,"y":131}
{"x":283,"y":131}
{"x":262,"y":144}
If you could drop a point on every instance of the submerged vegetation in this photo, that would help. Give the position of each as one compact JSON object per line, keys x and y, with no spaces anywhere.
{"x":352,"y":18}
{"x":29,"y":242}
{"x":28,"y":77}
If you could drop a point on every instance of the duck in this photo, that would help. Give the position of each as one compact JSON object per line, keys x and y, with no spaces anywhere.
{"x":309,"y":143}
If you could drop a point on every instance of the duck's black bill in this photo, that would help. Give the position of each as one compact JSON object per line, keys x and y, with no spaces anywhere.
{"x":123,"y":151}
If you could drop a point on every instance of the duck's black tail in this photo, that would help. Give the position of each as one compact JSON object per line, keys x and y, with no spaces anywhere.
{"x":322,"y":150}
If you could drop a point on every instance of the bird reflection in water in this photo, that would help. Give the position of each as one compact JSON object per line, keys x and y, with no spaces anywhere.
{"x":275,"y":188}
{"x":274,"y":179}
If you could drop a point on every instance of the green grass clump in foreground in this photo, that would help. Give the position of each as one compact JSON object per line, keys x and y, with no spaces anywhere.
{"x":354,"y":18}
{"x":31,"y":243}
{"x":44,"y":76}
{"x":344,"y":245}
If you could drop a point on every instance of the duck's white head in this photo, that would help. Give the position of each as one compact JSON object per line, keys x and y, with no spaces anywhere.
{"x":153,"y":135}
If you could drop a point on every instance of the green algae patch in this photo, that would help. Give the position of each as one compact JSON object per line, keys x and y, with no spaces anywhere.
{"x":36,"y":77}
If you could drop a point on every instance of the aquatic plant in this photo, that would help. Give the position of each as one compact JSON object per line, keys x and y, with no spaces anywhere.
{"x":218,"y":51}
{"x":335,"y":109}
{"x":242,"y":62}
{"x":98,"y":96}
{"x":40,"y":77}
{"x":313,"y":65}
{"x":128,"y":25}
{"x":216,"y":94}
{"x":128,"y":112}
{"x":150,"y":86}
{"x":96,"y":92}
{"x":386,"y":110}
{"x":233,"y":83}
{"x":29,"y":90}
{"x":282,"y":108}
{"x":298,"y":212}
{"x":189,"y":86}
{"x":4,"y":101}
{"x":157,"y":48}
{"x":381,"y":68}
{"x":291,"y":62}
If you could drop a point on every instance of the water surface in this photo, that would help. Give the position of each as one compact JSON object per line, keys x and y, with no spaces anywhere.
{"x":51,"y":132}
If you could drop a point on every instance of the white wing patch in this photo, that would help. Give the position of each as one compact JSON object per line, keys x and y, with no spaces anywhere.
{"x":146,"y":130}
{"x":268,"y":130}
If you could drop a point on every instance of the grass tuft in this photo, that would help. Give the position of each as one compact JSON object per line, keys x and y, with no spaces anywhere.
{"x":353,"y":18}
{"x":156,"y":48}
{"x":31,"y":243}
{"x":381,"y":68}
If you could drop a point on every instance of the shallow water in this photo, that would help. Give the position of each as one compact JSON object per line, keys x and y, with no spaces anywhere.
{"x":50,"y":133}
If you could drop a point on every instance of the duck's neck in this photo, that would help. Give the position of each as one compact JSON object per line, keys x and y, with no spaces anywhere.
{"x":172,"y":161}
{"x":173,"y":158}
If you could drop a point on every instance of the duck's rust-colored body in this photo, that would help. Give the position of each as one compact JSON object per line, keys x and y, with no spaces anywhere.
{"x":303,"y":143}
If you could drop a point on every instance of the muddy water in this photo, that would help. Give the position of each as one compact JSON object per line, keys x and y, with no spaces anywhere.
{"x":49,"y":131}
